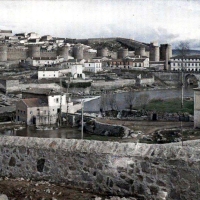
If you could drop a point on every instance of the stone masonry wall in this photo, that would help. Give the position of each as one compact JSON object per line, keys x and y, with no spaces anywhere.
{"x":15,"y":54}
{"x":146,"y":171}
{"x":113,"y":84}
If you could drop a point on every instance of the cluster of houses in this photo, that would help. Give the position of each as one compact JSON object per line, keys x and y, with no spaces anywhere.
{"x":44,"y":107}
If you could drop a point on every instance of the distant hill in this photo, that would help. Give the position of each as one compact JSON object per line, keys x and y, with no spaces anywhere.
{"x":192,"y":52}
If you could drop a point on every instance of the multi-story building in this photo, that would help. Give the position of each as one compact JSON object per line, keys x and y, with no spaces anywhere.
{"x":93,"y":66}
{"x":188,"y":63}
{"x":45,"y":109}
{"x":128,"y":63}
{"x":74,"y":71}
{"x":43,"y":61}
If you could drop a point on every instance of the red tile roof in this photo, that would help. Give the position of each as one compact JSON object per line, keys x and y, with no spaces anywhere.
{"x":34,"y":102}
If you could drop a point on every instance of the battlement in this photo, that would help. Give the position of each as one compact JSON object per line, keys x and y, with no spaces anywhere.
{"x":17,"y":50}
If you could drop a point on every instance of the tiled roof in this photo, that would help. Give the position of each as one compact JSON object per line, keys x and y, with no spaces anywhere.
{"x":49,"y":69}
{"x":74,"y":60}
{"x":44,"y":58}
{"x":188,"y":56}
{"x":34,"y":102}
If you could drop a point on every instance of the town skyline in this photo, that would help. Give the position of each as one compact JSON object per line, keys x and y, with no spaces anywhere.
{"x":165,"y":22}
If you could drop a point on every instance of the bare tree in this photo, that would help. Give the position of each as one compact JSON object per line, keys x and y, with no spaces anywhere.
{"x":103,"y":103}
{"x":142,"y":100}
{"x":129,"y":98}
{"x":183,"y":51}
{"x":111,"y":99}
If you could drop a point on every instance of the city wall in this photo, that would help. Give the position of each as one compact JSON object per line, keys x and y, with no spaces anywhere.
{"x":20,"y":54}
{"x":48,"y":53}
{"x":16,"y":54}
{"x":146,"y":171}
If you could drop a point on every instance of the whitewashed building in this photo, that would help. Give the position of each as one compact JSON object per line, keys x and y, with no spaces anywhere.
{"x":189,"y":63}
{"x":197,"y":108}
{"x":44,"y":110}
{"x":43,"y":61}
{"x":75,"y":71}
{"x":93,"y":66}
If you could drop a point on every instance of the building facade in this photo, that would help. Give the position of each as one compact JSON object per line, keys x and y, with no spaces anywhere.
{"x":188,"y":63}
{"x":44,"y":111}
{"x":93,"y":66}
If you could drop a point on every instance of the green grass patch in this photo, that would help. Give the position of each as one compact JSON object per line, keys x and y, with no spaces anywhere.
{"x":171,"y":106}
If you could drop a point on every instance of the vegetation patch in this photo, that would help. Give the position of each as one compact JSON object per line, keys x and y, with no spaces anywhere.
{"x":171,"y":106}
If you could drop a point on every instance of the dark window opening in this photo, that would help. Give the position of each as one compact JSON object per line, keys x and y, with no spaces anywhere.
{"x":40,"y":164}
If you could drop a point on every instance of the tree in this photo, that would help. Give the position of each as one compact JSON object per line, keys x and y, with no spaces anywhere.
{"x":103,"y":103}
{"x":111,"y":99}
{"x":129,"y":98}
{"x":142,"y":100}
{"x":183,"y":51}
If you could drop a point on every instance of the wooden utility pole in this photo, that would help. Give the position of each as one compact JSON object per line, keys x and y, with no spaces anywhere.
{"x":82,"y":119}
{"x":60,"y":114}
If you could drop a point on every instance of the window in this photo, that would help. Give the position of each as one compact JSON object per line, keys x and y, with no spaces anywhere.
{"x":57,"y":100}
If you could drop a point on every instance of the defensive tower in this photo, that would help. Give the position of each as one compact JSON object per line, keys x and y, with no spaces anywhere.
{"x":78,"y":51}
{"x":3,"y":52}
{"x":122,"y":53}
{"x":34,"y":51}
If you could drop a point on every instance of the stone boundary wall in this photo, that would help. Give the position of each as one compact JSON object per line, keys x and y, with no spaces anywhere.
{"x":171,"y":78}
{"x":35,"y":85}
{"x":146,"y":171}
{"x":113,"y":84}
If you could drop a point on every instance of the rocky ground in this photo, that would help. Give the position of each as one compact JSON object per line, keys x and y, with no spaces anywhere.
{"x":20,"y":189}
{"x":144,"y":131}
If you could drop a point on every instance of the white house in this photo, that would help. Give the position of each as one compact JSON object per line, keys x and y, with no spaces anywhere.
{"x":41,"y":111}
{"x":48,"y":72}
{"x":93,"y":66}
{"x":43,"y":61}
{"x":74,"y":61}
{"x":76,"y":71}
{"x":189,"y":63}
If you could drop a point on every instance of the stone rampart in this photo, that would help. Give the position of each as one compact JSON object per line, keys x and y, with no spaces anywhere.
{"x":48,"y":53}
{"x":16,"y":54}
{"x":147,"y":171}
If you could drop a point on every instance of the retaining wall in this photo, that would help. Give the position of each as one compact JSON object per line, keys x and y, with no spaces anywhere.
{"x":113,"y":84}
{"x":142,"y":170}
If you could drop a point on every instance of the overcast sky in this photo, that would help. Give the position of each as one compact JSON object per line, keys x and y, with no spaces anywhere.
{"x":165,"y":21}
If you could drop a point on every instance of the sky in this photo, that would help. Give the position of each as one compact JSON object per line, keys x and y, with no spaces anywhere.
{"x":165,"y":21}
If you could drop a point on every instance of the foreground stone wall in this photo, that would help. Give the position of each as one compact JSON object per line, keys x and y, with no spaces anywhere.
{"x":142,"y":170}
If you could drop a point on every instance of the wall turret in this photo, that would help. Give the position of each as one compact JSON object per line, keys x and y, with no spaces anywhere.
{"x":122,"y":53}
{"x":140,"y":51}
{"x":64,"y":52}
{"x":154,"y":52}
{"x":102,"y":52}
{"x":3,"y":52}
{"x":165,"y":53}
{"x":34,"y":51}
{"x":78,"y":51}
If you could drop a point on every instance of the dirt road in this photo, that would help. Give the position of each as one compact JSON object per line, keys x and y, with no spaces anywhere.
{"x":147,"y":127}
